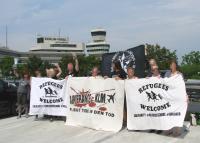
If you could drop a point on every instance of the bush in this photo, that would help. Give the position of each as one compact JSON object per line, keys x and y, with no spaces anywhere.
{"x":197,"y":115}
{"x":191,"y":71}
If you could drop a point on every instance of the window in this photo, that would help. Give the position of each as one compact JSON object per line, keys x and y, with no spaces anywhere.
{"x":40,"y":40}
{"x":98,"y":50}
{"x":98,"y":45}
{"x":97,"y":33}
{"x":63,"y":45}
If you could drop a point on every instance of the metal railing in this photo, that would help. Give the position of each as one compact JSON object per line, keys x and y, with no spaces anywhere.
{"x":193,"y":91}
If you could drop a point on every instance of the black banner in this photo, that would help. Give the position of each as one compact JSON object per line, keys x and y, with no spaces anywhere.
{"x":134,"y":57}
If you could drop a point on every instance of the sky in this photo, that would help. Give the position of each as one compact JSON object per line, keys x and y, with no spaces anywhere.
{"x":174,"y":24}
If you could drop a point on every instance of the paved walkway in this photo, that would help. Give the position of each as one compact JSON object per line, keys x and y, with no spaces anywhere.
{"x":25,"y":130}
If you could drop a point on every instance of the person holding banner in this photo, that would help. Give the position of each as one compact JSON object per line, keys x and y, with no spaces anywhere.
{"x":131,"y":73}
{"x":175,"y":131}
{"x":37,"y":74}
{"x":118,"y":72}
{"x":71,"y":72}
{"x":155,"y":71}
{"x":95,"y":72}
{"x":173,"y":69}
{"x":152,"y":62}
{"x":57,"y":71}
{"x":53,"y":73}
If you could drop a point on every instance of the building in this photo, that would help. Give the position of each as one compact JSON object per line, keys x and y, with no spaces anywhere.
{"x":99,"y":45}
{"x":4,"y":51}
{"x":52,"y":49}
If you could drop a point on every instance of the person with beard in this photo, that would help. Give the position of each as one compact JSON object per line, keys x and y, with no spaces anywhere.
{"x":54,"y":73}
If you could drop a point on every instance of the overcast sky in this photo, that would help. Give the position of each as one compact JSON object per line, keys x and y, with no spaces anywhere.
{"x":171,"y":23}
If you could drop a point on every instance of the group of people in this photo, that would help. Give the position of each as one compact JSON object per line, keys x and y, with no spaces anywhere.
{"x":23,"y":92}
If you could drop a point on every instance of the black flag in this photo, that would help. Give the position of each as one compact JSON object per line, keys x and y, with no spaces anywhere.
{"x":134,"y":57}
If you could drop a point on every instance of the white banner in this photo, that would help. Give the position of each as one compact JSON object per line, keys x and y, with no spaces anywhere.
{"x":95,"y":103}
{"x":48,"y":97}
{"x":155,"y":103}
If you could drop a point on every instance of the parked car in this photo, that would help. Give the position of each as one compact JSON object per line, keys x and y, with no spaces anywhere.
{"x":8,"y":98}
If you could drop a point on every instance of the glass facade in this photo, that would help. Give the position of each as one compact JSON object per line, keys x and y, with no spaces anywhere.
{"x":40,"y":40}
{"x":98,"y":45}
{"x":62,"y":45}
{"x":97,"y":33}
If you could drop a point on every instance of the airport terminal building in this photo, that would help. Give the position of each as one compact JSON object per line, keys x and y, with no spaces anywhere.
{"x":52,"y":49}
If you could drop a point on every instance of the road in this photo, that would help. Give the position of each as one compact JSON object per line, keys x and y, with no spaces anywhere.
{"x":25,"y":130}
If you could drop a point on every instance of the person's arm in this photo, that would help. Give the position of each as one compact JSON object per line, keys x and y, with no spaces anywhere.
{"x":59,"y":71}
{"x":76,"y":62}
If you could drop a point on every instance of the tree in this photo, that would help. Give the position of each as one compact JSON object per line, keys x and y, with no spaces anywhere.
{"x":190,"y":66}
{"x":43,"y":67}
{"x":162,"y":55}
{"x":191,"y":58}
{"x":21,"y":68}
{"x":191,"y":71}
{"x":34,"y":63}
{"x":6,"y":65}
{"x":85,"y":64}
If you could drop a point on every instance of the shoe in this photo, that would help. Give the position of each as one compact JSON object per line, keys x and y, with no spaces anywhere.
{"x":19,"y":116}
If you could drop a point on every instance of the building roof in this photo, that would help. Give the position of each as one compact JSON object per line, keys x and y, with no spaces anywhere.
{"x":8,"y":52}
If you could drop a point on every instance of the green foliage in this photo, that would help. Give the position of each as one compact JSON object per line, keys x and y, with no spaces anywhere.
{"x":6,"y":65}
{"x":162,"y":55}
{"x":86,"y":64}
{"x":43,"y":67}
{"x":191,"y":65}
{"x":34,"y":63}
{"x":191,"y":58}
{"x":197,"y":115}
{"x":191,"y":71}
{"x":21,"y":68}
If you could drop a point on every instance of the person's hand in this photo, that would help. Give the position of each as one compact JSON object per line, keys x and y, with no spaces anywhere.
{"x":66,"y":77}
{"x":117,"y":78}
{"x":57,"y":65}
{"x":105,"y":77}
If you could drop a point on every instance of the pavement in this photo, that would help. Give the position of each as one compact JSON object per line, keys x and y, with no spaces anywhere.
{"x":26,"y":130}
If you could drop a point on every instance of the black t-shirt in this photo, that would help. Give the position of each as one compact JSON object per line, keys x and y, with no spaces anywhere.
{"x":73,"y":74}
